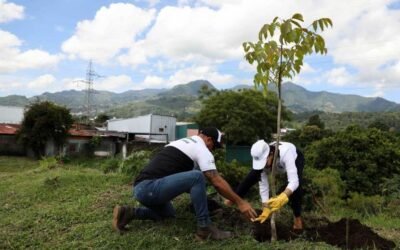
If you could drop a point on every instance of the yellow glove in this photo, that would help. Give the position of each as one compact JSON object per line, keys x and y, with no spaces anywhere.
{"x":264,"y":215}
{"x":277,"y":202}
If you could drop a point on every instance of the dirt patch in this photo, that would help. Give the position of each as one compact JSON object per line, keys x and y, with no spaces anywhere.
{"x":316,"y":230}
{"x":333,"y":233}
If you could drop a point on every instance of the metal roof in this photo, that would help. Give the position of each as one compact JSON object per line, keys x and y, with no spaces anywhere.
{"x":8,"y":129}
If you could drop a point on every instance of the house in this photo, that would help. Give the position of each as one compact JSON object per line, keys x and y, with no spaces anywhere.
{"x":81,"y":141}
{"x":8,"y":140}
{"x":87,"y":141}
{"x":152,"y":128}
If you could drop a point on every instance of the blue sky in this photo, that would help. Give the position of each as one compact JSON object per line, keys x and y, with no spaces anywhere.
{"x":45,"y":45}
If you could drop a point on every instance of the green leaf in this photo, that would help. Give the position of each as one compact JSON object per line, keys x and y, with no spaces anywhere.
{"x":295,"y":23}
{"x":286,"y":27}
{"x":321,"y":24}
{"x":298,"y":16}
{"x":263,"y":32}
{"x":246,"y":47}
{"x":315,"y":25}
{"x":271,"y":29}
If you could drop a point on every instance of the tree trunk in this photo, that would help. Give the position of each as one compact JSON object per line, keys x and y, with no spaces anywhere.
{"x":274,"y":235}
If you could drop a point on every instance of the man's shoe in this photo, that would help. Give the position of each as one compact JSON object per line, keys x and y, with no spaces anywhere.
{"x":298,"y":223}
{"x":212,"y":232}
{"x":122,"y":215}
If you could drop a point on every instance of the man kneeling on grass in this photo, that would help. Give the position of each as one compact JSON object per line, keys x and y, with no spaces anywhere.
{"x":171,"y":173}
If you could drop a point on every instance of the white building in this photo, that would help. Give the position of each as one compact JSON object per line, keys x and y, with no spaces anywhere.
{"x":11,"y":114}
{"x":152,"y":127}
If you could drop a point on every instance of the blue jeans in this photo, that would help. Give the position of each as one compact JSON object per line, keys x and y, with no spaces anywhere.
{"x":156,"y":196}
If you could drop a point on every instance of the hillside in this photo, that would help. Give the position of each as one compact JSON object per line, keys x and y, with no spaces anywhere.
{"x":181,"y":100}
{"x":298,"y":99}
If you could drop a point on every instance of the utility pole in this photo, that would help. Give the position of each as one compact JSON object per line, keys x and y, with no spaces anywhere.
{"x":90,"y":76}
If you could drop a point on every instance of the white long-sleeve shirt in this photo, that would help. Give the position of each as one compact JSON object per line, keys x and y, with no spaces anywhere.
{"x":286,"y":163}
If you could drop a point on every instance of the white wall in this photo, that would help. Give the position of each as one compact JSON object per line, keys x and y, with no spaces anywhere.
{"x":146,"y":124}
{"x":11,"y":114}
{"x":163,"y":125}
{"x":140,"y":124}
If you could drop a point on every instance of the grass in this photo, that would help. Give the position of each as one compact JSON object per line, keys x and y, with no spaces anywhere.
{"x":70,"y":207}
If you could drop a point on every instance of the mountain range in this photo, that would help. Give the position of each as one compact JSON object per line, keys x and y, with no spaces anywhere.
{"x":183,"y":99}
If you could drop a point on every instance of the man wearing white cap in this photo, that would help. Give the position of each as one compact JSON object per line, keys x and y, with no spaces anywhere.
{"x":290,"y":161}
{"x":171,"y":173}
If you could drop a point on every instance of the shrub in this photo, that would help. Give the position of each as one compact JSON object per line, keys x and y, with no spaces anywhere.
{"x":232,"y":172}
{"x":48,"y":162}
{"x":135,"y":162}
{"x":323,"y":188}
{"x":365,"y":205}
{"x":363,"y":157}
{"x":110,"y":165}
{"x":391,"y":191}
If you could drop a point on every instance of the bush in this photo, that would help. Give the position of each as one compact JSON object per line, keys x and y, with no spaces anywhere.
{"x":110,"y":165}
{"x":232,"y":172}
{"x":135,"y":162}
{"x":365,"y":205}
{"x":323,"y":188}
{"x":391,"y":191}
{"x":48,"y":162}
{"x":363,"y":157}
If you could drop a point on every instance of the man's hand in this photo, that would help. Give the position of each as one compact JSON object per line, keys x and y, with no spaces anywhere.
{"x":246,"y":209}
{"x":277,"y":202}
{"x":264,"y":215}
{"x":224,"y":189}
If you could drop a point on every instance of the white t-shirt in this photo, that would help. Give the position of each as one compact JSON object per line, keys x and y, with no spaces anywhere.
{"x":286,"y":163}
{"x":195,"y":148}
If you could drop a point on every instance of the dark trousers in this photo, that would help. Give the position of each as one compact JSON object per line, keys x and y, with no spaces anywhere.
{"x":295,"y":200}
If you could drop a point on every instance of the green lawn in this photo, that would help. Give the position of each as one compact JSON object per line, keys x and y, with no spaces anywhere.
{"x":70,"y":207}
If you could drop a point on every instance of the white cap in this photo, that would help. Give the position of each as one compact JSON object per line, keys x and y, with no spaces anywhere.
{"x":259,"y":152}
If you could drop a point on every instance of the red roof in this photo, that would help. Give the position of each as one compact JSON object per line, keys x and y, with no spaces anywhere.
{"x":8,"y":129}
{"x":11,"y":129}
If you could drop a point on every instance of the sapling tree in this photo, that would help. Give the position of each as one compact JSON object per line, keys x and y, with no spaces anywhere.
{"x":279,"y":53}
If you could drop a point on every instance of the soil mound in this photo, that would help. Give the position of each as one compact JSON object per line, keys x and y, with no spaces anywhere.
{"x":333,"y":233}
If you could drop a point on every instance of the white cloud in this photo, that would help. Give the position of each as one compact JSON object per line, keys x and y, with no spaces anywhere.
{"x":114,"y":83}
{"x":199,"y":72}
{"x":338,"y":76}
{"x":73,"y":83}
{"x":113,"y":28}
{"x":43,"y":82}
{"x":10,"y":11}
{"x":379,"y":89}
{"x":153,"y":82}
{"x":13,"y":59}
{"x":117,"y":83}
{"x":9,"y":86}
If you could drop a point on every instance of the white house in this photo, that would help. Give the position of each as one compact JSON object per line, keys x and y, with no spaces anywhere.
{"x":151,"y":127}
{"x":11,"y":114}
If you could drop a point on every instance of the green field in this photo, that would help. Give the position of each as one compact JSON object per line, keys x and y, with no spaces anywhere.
{"x":70,"y":207}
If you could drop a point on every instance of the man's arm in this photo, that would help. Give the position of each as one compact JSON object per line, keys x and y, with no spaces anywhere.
{"x":223,"y":188}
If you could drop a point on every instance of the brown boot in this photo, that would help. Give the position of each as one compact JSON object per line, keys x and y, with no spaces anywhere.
{"x":122,"y":215}
{"x":298,"y":223}
{"x":212,"y":232}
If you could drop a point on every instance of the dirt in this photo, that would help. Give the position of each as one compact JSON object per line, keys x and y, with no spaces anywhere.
{"x":333,"y":233}
{"x":315,"y":230}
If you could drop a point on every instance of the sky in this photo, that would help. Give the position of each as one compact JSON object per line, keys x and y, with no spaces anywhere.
{"x":46,"y":45}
